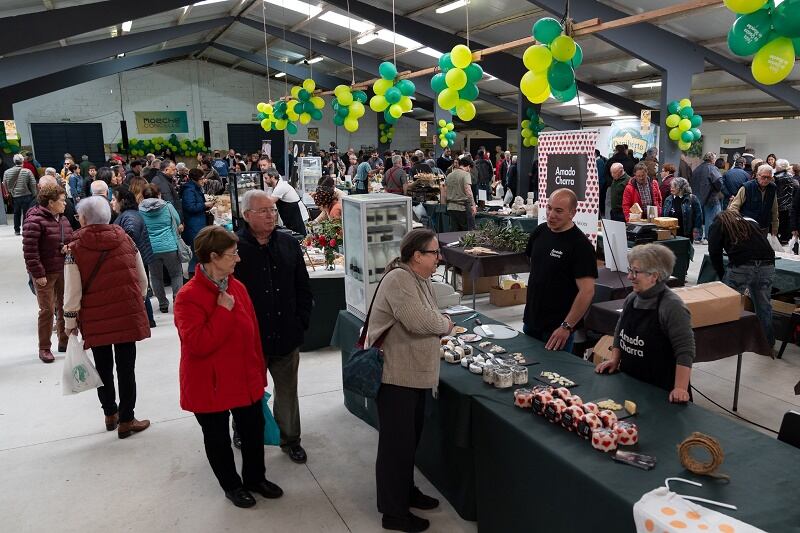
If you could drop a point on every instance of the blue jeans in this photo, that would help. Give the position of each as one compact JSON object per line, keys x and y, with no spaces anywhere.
{"x":757,"y":277}
{"x":710,"y":212}
{"x":544,"y":336}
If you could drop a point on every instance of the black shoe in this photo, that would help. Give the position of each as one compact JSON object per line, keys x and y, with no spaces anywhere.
{"x":153,"y":324}
{"x":422,"y":501}
{"x":296,"y":454}
{"x":163,"y":308}
{"x":17,"y":233}
{"x":237,"y":440}
{"x":410,"y":523}
{"x":240,"y":497}
{"x":267,"y":489}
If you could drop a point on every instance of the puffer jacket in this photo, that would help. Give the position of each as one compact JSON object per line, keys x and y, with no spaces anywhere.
{"x":132,"y":222}
{"x":19,"y":181}
{"x":194,"y":211}
{"x":222,"y":365}
{"x":112,"y":310}
{"x":786,"y":186}
{"x":158,"y":216}
{"x":43,"y":235}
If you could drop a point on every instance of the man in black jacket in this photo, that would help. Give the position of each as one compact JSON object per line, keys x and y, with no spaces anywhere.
{"x":274,"y":272}
{"x":165,"y":181}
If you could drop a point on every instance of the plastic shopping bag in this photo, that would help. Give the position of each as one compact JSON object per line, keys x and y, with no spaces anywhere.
{"x":794,"y":246}
{"x":79,"y":372}
{"x":272,"y":434}
{"x":774,"y":242}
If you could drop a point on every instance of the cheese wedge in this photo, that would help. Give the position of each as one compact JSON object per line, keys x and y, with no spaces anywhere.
{"x":630,"y":407}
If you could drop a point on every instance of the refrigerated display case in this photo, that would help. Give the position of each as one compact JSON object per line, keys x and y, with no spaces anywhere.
{"x":309,"y":171}
{"x":373,"y":226}
{"x":238,"y":184}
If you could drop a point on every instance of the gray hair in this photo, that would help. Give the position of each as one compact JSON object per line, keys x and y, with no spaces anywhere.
{"x":47,"y":179}
{"x":180,"y":166}
{"x":682,"y":185}
{"x":740,"y":162}
{"x":164,"y":165}
{"x":513,"y":159}
{"x":710,"y":156}
{"x":616,"y":166}
{"x":50,"y":171}
{"x":248,"y":198}
{"x":99,"y":188}
{"x":654,"y":259}
{"x":767,"y":170}
{"x":396,"y":159}
{"x":18,"y":159}
{"x":84,"y":157}
{"x":419,"y":153}
{"x":781,"y":164}
{"x":95,"y":210}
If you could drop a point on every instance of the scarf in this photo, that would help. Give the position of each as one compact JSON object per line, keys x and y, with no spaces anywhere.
{"x":221,"y":285}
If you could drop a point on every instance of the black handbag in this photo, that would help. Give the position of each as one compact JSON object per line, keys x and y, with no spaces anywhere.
{"x":362,"y":373}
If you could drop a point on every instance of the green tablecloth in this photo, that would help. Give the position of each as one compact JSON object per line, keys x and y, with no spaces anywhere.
{"x":680,"y":246}
{"x":787,"y":274}
{"x":329,"y":299}
{"x":526,"y":224}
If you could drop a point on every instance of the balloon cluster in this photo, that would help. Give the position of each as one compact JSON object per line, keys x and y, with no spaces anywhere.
{"x":386,"y":132}
{"x":771,"y":33}
{"x":446,"y":132}
{"x":304,"y":106}
{"x":348,"y":107}
{"x":9,"y":147}
{"x":531,"y":127}
{"x":184,"y":147}
{"x":551,"y":64}
{"x":683,"y":123}
{"x":392,"y":99}
{"x":455,"y":84}
{"x":266,"y":115}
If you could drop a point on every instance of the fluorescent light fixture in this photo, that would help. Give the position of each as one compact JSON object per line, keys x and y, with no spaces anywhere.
{"x":127,"y":25}
{"x":315,"y":60}
{"x":488,"y":77}
{"x":297,"y":6}
{"x":451,"y":6}
{"x":573,"y":102}
{"x":601,"y":110}
{"x":280,"y":74}
{"x":400,"y":40}
{"x":206,"y":2}
{"x":428,"y":51}
{"x":627,"y":117}
{"x":344,"y":21}
{"x":368,"y":38}
{"x":646,"y":84}
{"x":121,"y":55}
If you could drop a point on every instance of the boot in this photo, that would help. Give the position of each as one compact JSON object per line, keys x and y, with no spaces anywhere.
{"x":126,"y":429}
{"x":46,"y":356}
{"x":112,"y":422}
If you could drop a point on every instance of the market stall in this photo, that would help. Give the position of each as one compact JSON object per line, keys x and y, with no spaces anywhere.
{"x":680,"y":246}
{"x":526,"y":224}
{"x":787,"y":274}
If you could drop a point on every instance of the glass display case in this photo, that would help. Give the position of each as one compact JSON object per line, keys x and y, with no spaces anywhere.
{"x":373,"y":226}
{"x":309,"y":171}
{"x":238,"y":184}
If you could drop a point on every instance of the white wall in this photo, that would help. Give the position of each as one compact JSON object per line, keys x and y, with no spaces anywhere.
{"x":779,"y":137}
{"x":205,"y":91}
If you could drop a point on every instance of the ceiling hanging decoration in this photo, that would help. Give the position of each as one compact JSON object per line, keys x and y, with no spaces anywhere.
{"x":385,"y":132}
{"x":551,"y":63}
{"x":683,"y":123}
{"x":392,"y":98}
{"x":348,"y":107}
{"x":446,"y":133}
{"x":304,"y":105}
{"x":531,"y":127}
{"x":456,"y":85}
{"x":770,"y":32}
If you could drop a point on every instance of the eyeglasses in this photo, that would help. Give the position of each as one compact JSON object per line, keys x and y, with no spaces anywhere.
{"x":234,"y":253}
{"x":437,"y":252}
{"x":264,"y":211}
{"x":634,"y":272}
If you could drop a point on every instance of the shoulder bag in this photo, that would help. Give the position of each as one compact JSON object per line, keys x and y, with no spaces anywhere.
{"x":184,"y":250}
{"x":362,"y":373}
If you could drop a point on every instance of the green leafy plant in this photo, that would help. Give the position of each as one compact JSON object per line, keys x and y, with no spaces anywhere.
{"x":326,"y":235}
{"x":498,"y":237}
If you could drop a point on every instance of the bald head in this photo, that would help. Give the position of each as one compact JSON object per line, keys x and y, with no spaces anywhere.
{"x":47,"y":180}
{"x":565,"y":195}
{"x":617,"y":170}
{"x":99,"y":188}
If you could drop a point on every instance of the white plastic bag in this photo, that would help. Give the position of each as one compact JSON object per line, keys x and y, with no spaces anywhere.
{"x":792,"y":247}
{"x":79,"y":372}
{"x":774,"y":242}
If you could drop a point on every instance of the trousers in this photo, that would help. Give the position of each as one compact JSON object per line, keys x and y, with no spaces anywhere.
{"x":757,"y":278}
{"x":172,"y":262}
{"x":51,"y":301}
{"x":401,"y":414}
{"x":125,"y":356}
{"x":21,"y":205}
{"x":286,"y":407}
{"x":217,"y":441}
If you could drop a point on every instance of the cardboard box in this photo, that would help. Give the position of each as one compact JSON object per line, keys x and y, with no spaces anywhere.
{"x":663,"y":234}
{"x":711,"y":303}
{"x":779,"y":306}
{"x":602,"y":350}
{"x":482,"y":285}
{"x":505,"y":297}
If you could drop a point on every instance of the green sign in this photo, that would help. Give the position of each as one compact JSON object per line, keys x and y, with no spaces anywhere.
{"x":162,"y":122}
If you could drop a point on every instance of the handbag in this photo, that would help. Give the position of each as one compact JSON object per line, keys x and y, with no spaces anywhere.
{"x":184,"y":250}
{"x":363,"y":371}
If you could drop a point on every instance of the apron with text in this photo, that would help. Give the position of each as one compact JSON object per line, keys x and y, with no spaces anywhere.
{"x":647,"y":352}
{"x":291,"y":216}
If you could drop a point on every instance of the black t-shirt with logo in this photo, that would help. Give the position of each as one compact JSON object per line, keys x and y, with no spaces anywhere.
{"x":557,"y":260}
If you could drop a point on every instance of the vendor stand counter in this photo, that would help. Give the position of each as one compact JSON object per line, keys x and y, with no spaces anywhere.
{"x":787,"y":274}
{"x":327,"y":287}
{"x":680,"y":246}
{"x":711,"y":342}
{"x":526,"y":224}
{"x":512,"y":470}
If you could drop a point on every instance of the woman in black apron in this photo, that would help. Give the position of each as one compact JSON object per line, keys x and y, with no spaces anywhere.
{"x":653,"y":341}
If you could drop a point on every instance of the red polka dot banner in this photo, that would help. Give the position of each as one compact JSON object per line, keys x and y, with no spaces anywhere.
{"x":578,"y":173}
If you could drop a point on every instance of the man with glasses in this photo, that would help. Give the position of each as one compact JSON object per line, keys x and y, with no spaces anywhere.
{"x":274,"y":272}
{"x":758,"y":200}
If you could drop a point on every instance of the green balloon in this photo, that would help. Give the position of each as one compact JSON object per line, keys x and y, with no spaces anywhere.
{"x":406,"y":87}
{"x":316,"y":114}
{"x":389,"y":118}
{"x":696,"y":121}
{"x":393,"y":95}
{"x":696,"y":134}
{"x":438,"y":83}
{"x":303,"y":95}
{"x":673,"y":107}
{"x":750,"y":32}
{"x":470,"y":92}
{"x":686,"y":112}
{"x":687,"y":136}
{"x":291,"y":127}
{"x":546,"y":29}
{"x":565,"y":96}
{"x":361,"y":96}
{"x":338,"y":120}
{"x":343,"y":111}
{"x":474,"y":72}
{"x":445,"y":63}
{"x":387,"y":71}
{"x":786,"y":19}
{"x":560,"y":75}
{"x":577,"y":59}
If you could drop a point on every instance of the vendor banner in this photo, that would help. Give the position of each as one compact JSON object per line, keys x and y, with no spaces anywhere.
{"x":731,"y":147}
{"x":162,"y":122}
{"x":567,"y":161}
{"x":633,"y":133}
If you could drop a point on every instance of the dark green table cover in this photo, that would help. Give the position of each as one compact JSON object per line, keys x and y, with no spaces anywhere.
{"x":680,"y":246}
{"x":328,"y":301}
{"x":786,"y":280}
{"x":526,"y":224}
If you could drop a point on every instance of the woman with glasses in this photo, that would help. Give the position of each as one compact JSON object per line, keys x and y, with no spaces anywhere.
{"x":683,"y":205}
{"x":222,"y":369}
{"x":405,"y":318}
{"x":653,"y":340}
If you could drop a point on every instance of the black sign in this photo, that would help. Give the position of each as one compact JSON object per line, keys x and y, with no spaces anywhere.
{"x":567,"y":171}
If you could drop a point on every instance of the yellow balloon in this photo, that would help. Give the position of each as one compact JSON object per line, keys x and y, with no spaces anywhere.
{"x":381,"y":86}
{"x":296,"y":91}
{"x":450,"y":126}
{"x":537,"y":58}
{"x":442,"y":123}
{"x":743,"y":7}
{"x":350,"y":124}
{"x":305,"y":118}
{"x":292,"y":115}
{"x":461,"y":56}
{"x":266,"y":124}
{"x":260,"y":107}
{"x":443,"y":143}
{"x":406,"y":104}
{"x":309,"y":85}
{"x":281,"y":124}
{"x":267,"y":109}
{"x":346,"y":98}
{"x":532,"y":84}
{"x":465,"y":110}
{"x":774,"y":61}
{"x":448,"y":98}
{"x":685,"y":124}
{"x":563,"y":48}
{"x":541,"y":97}
{"x":357,"y":109}
{"x":341,"y":89}
{"x":378,"y":103}
{"x":533,"y":141}
{"x":685,"y":103}
{"x":456,"y":79}
{"x":684,"y":145}
{"x":318,"y":102}
{"x":395,"y":110}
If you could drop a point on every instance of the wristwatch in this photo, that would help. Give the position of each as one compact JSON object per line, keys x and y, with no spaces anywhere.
{"x":567,"y":326}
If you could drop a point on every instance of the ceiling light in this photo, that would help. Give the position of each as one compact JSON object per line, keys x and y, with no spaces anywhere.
{"x":601,"y":110}
{"x":121,"y":55}
{"x":315,"y":60}
{"x":280,"y":74}
{"x":489,"y":77}
{"x":344,"y":21}
{"x":646,"y":84}
{"x":368,"y":38}
{"x":451,"y":6}
{"x":297,"y":6}
{"x":428,"y":51}
{"x":127,"y":25}
{"x":206,"y":2}
{"x":400,"y":40}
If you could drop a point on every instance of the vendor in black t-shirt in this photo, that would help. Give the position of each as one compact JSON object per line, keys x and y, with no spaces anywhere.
{"x":563,"y":270}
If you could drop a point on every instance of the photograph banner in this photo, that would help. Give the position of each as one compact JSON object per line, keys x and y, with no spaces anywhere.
{"x":732,"y":146}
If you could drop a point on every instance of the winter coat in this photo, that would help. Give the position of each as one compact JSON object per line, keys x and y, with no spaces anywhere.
{"x":168,"y":193}
{"x":159,"y":217}
{"x":733,"y":180}
{"x":706,"y":183}
{"x":19,"y":182}
{"x":786,"y":186}
{"x":631,"y":196}
{"x":691,"y":212}
{"x":485,"y":172}
{"x":132,"y":222}
{"x":112,"y":310}
{"x":277,"y":280}
{"x":43,"y":236}
{"x":194,"y":211}
{"x":666,"y":187}
{"x":222,"y":365}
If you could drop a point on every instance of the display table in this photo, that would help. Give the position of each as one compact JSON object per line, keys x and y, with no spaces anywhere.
{"x":680,"y":246}
{"x":711,"y":342}
{"x":514,"y":471}
{"x":327,"y":286}
{"x":787,"y":274}
{"x":526,"y":224}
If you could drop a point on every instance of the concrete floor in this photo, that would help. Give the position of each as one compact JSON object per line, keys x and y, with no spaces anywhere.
{"x":63,"y":472}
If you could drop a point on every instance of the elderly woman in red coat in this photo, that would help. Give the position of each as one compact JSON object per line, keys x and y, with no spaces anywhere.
{"x":222,"y":368}
{"x":104,"y":289}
